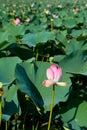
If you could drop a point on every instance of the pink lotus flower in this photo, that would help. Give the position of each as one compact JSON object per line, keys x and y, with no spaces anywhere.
{"x":55,"y":16}
{"x":17,"y":21}
{"x":47,"y":11}
{"x":28,"y":20}
{"x":32,"y":5}
{"x":54,"y":74}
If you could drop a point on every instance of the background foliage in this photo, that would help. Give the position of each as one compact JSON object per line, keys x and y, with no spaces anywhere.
{"x":55,"y":33}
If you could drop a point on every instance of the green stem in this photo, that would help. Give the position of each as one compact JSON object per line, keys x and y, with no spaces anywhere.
{"x":0,"y":110}
{"x":33,"y":123}
{"x":52,"y":25}
{"x":51,"y":107}
{"x":37,"y":56}
{"x":6,"y":125}
{"x":24,"y":120}
{"x":37,"y":126}
{"x":33,"y":127}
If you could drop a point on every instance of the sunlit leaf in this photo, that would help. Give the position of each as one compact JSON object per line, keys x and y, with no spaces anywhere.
{"x":14,"y":30}
{"x":10,"y":102}
{"x":7,"y":69}
{"x":76,"y":62}
{"x":32,"y":39}
{"x":3,"y":36}
{"x":70,"y":22}
{"x":57,"y":22}
{"x":74,"y":45}
{"x":75,"y":114}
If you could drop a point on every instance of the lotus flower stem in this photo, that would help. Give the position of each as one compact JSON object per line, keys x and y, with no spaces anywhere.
{"x":1,"y":93}
{"x":51,"y":107}
{"x":0,"y":110}
{"x":36,"y":56}
{"x":52,"y":25}
{"x":54,"y":74}
{"x":6,"y":125}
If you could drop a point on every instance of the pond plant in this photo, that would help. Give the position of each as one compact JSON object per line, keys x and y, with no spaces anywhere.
{"x":43,"y":65}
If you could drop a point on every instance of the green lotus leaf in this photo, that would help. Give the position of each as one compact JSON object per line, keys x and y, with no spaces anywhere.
{"x":7,"y":69}
{"x":29,"y":78}
{"x":32,"y":39}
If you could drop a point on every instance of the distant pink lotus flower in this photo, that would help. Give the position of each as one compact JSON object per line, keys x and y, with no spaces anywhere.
{"x":28,"y":20}
{"x":49,"y":5}
{"x":32,"y":5}
{"x":54,"y":74}
{"x":47,"y":11}
{"x":17,"y":21}
{"x":75,"y":10}
{"x":55,"y":16}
